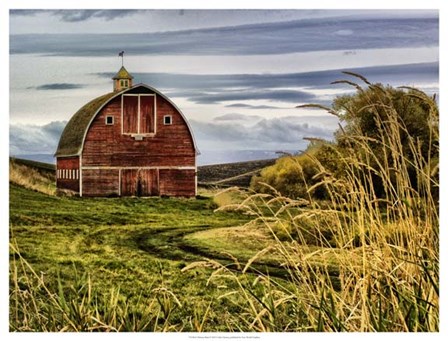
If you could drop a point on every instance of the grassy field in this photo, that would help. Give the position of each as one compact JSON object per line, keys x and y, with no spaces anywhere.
{"x":130,"y":245}
{"x":362,"y":260}
{"x":75,"y":262}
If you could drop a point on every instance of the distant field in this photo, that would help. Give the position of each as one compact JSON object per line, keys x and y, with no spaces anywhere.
{"x":231,"y":174}
{"x":44,"y":167}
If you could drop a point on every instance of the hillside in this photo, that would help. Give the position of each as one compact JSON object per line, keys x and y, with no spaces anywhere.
{"x":231,"y":174}
{"x":33,"y":175}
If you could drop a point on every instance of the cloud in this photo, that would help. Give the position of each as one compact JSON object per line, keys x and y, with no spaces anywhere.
{"x":58,"y":86}
{"x":344,"y":32}
{"x":290,"y":96}
{"x":208,"y":89}
{"x":281,"y":133}
{"x":34,"y":139}
{"x":248,"y":106}
{"x":78,"y":15}
{"x":237,"y":117}
{"x":187,"y":84}
{"x":254,"y":39}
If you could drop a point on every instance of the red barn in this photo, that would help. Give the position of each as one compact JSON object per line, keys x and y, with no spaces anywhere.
{"x":133,"y":141}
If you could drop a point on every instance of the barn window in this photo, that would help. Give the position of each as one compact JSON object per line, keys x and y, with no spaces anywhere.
{"x":138,"y":114}
{"x":109,"y":120}
{"x":167,"y":120}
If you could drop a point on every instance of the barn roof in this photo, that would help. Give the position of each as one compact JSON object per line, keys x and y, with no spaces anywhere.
{"x":72,"y":138}
{"x":123,"y":74}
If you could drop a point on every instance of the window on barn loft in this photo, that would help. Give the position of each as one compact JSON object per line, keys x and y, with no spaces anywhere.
{"x":167,"y":120}
{"x":109,"y":120}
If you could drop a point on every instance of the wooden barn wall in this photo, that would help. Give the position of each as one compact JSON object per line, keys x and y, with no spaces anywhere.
{"x":100,"y":182}
{"x":177,"y":182}
{"x":71,"y":162}
{"x":68,"y":163}
{"x":105,"y":145}
{"x":70,"y":184}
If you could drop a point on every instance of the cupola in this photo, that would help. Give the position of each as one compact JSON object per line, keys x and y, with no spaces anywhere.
{"x":122,"y":80}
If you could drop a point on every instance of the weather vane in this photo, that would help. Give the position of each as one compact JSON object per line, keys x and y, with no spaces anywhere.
{"x":121,"y":54}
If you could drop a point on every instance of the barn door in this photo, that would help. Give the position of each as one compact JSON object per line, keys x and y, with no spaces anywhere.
{"x":147,"y":114}
{"x":130,"y":114}
{"x":139,"y":182}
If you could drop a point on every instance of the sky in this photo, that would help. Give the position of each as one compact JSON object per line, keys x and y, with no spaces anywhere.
{"x":237,"y":75}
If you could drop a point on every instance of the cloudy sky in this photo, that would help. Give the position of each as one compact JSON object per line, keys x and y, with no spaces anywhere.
{"x":236,"y":74}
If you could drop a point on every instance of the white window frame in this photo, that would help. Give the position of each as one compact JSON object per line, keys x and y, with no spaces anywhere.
{"x":138,"y":115}
{"x":113,"y":120}
{"x":171,"y":120}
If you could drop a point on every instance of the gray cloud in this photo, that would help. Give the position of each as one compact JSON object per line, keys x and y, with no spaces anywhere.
{"x":33,"y":139}
{"x":82,"y":15}
{"x":283,"y":132}
{"x":78,"y":15}
{"x":206,"y":89}
{"x":237,"y":117}
{"x":290,"y":96}
{"x":59,"y":86}
{"x":315,"y":34}
{"x":248,"y":106}
{"x":188,"y":85}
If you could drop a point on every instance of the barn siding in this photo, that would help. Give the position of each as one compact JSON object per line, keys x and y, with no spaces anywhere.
{"x":100,"y":182}
{"x":68,"y":164}
{"x":177,"y":182}
{"x":171,"y":146}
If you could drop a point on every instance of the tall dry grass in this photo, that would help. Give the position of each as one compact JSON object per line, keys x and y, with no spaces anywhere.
{"x":31,"y":178}
{"x":378,"y":256}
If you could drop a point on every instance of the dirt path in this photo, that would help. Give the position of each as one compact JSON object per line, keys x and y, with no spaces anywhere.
{"x":169,"y":243}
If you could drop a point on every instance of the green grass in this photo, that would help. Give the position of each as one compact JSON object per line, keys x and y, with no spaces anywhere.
{"x":123,"y":244}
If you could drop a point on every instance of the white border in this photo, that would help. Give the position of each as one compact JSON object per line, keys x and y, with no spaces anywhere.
{"x":5,"y":5}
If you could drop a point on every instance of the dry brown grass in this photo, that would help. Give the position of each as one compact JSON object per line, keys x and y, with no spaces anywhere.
{"x":31,"y":178}
{"x":387,"y":278}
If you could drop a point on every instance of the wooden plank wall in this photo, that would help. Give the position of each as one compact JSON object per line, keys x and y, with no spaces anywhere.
{"x":177,"y":182}
{"x":67,"y":163}
{"x":100,"y":182}
{"x":106,"y":146}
